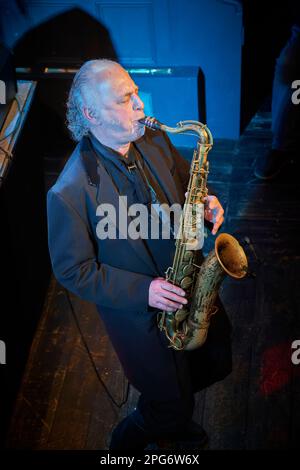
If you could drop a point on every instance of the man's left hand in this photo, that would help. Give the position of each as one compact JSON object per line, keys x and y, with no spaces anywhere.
{"x":213,"y":212}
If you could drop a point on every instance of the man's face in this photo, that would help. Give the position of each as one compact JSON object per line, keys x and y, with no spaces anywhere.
{"x":119,"y":108}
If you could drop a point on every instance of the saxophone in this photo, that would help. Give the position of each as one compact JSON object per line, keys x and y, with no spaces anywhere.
{"x":187,"y":328}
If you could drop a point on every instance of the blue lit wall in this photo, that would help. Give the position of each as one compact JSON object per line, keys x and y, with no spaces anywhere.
{"x":184,"y":35}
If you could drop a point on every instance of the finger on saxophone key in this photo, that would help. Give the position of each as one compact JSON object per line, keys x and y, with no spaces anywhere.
{"x":174,"y":297}
{"x":172,"y":288}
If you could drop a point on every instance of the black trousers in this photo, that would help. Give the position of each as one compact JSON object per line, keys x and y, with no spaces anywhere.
{"x":154,"y":419}
{"x":196,"y":370}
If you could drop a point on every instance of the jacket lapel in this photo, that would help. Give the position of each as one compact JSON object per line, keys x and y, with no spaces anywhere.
{"x":107,"y":192}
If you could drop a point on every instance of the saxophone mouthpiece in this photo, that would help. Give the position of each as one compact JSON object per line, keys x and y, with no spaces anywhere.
{"x":151,"y":122}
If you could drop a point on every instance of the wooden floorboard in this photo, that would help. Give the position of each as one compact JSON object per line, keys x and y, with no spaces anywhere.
{"x":65,"y":401}
{"x":43,"y":381}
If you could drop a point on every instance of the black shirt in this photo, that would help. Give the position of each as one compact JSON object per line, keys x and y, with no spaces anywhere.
{"x":134,"y":179}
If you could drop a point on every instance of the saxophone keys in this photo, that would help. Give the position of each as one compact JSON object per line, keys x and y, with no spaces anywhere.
{"x":181,"y":314}
{"x":188,"y":255}
{"x":188,"y":269}
{"x":186,"y":282}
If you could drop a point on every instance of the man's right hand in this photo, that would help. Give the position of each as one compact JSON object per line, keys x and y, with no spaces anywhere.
{"x":166,"y":296}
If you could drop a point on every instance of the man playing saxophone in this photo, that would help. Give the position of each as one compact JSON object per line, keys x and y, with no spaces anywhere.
{"x":117,"y":156}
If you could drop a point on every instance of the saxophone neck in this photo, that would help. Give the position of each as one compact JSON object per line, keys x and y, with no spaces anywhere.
{"x":197,"y":127}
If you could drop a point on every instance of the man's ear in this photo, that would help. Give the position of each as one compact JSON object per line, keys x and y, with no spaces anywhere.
{"x":90,"y":114}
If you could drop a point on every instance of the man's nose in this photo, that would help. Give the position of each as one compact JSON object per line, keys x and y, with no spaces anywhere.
{"x":137,"y":102}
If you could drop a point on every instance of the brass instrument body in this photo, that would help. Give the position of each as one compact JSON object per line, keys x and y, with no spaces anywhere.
{"x":187,"y":328}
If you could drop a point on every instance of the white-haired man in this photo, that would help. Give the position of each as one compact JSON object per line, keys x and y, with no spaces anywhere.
{"x":124,"y":276}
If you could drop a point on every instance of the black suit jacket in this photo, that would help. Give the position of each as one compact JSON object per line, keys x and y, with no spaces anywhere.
{"x":116,"y":274}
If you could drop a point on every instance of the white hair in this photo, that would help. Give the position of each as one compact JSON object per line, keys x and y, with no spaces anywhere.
{"x":82,"y":93}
